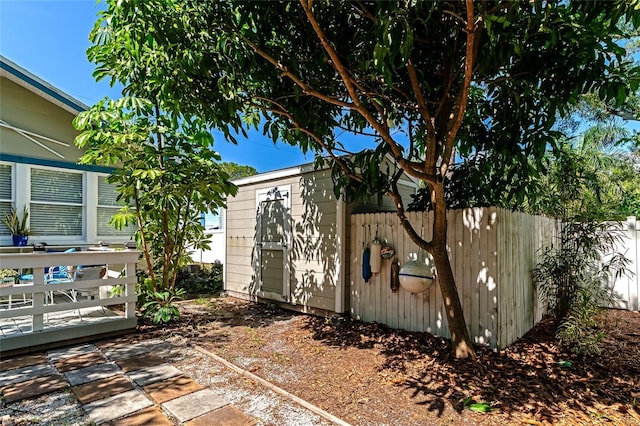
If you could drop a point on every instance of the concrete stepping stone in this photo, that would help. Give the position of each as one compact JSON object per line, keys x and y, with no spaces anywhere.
{"x":225,"y":416}
{"x":22,"y":374}
{"x":101,"y":389}
{"x":70,"y":352}
{"x":126,"y":350}
{"x":22,"y":361}
{"x":123,"y":352}
{"x":33,"y":388}
{"x":80,"y":361}
{"x":194,"y":405}
{"x":115,"y":407}
{"x":167,"y":390}
{"x":149,"y":375}
{"x":140,"y":362}
{"x":89,"y":374}
{"x":148,"y":417}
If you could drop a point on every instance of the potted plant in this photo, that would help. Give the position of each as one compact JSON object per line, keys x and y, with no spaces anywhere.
{"x":17,"y":226}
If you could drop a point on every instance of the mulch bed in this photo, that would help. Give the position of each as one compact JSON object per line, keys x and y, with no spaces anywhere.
{"x":369,"y":374}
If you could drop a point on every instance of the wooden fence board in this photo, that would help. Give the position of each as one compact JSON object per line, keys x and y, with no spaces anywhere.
{"x":492,"y":252}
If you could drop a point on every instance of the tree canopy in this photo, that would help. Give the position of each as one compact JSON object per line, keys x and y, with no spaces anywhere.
{"x":425,"y":81}
{"x":236,"y":171}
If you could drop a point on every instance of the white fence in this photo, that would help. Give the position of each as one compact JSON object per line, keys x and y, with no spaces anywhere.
{"x":492,"y":252}
{"x":41,"y":303}
{"x":627,"y":288}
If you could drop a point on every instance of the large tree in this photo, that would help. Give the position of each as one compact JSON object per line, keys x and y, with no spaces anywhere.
{"x":423,"y":80}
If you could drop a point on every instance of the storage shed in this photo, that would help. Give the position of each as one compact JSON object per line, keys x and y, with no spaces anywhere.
{"x":287,"y":239}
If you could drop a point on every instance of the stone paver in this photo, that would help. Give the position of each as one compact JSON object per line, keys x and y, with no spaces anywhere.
{"x":22,"y":374}
{"x":194,"y":404}
{"x":139,"y":362}
{"x":22,"y":361}
{"x":125,"y":352}
{"x":225,"y":416}
{"x":103,"y":385}
{"x":117,"y":406}
{"x":89,"y":374}
{"x":101,"y":389}
{"x":167,"y":390}
{"x":70,"y":352}
{"x":148,"y":417}
{"x":81,"y":361}
{"x":33,"y":388}
{"x":128,"y":351}
{"x":149,"y":375}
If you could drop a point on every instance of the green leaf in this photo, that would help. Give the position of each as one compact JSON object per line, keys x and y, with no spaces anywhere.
{"x":480,"y":407}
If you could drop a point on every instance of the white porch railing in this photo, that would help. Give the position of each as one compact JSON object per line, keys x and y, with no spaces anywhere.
{"x":43,"y":307}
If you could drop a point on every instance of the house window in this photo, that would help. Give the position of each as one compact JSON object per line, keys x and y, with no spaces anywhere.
{"x":56,"y":205}
{"x":212,"y":220}
{"x":107,"y":207}
{"x":6,"y":194}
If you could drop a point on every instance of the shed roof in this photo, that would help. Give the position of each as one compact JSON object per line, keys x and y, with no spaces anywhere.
{"x":288,"y":172}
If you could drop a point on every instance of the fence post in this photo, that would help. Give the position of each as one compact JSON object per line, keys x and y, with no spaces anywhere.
{"x":632,"y":254}
{"x":130,"y":290}
{"x":39,"y":297}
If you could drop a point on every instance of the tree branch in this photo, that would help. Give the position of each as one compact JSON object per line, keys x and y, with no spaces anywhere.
{"x":280,"y":110}
{"x":404,"y":221}
{"x":460,"y":106}
{"x":381,"y":128}
{"x":307,"y":88}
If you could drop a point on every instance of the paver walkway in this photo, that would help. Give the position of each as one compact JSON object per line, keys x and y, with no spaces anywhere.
{"x":119,"y":384}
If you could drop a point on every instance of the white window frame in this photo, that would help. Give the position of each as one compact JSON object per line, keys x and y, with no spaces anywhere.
{"x":110,"y":238}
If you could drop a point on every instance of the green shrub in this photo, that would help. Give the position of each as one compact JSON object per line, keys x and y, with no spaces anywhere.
{"x":207,"y":280}
{"x":574,"y":282}
{"x":161,"y":305}
{"x":579,"y":329}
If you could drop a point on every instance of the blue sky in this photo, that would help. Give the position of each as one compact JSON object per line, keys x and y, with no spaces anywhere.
{"x":49,"y":38}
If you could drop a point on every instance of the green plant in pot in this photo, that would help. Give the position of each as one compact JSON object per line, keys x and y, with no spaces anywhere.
{"x":17,"y":225}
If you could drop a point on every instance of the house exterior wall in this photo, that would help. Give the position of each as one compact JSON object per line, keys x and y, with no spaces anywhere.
{"x":25,"y":110}
{"x":37,"y":144}
{"x":313,"y":252}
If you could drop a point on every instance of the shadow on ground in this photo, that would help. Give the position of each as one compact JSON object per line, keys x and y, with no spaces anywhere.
{"x":533,"y":380}
{"x":533,"y":376}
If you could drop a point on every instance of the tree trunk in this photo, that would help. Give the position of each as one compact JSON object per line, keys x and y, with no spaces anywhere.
{"x":460,"y":340}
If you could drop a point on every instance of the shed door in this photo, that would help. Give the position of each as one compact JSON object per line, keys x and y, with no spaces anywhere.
{"x":273,"y":239}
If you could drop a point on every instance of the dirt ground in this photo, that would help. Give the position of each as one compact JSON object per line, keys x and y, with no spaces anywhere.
{"x":369,"y":374}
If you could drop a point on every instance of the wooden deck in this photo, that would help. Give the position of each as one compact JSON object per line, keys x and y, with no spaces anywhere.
{"x":34,"y":319}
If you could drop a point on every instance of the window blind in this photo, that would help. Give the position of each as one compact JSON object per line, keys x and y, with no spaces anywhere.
{"x":47,"y":219}
{"x":5,"y":208}
{"x":56,"y":206}
{"x":107,"y":194}
{"x":55,"y":186}
{"x":107,"y":207}
{"x":5,"y":182}
{"x":5,"y":195}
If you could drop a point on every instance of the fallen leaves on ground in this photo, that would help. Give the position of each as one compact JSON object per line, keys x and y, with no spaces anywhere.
{"x":369,"y":374}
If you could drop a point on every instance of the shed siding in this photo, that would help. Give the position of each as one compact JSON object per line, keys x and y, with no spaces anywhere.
{"x":312,"y":254}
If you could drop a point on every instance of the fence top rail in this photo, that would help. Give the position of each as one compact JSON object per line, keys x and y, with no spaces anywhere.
{"x":41,"y":260}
